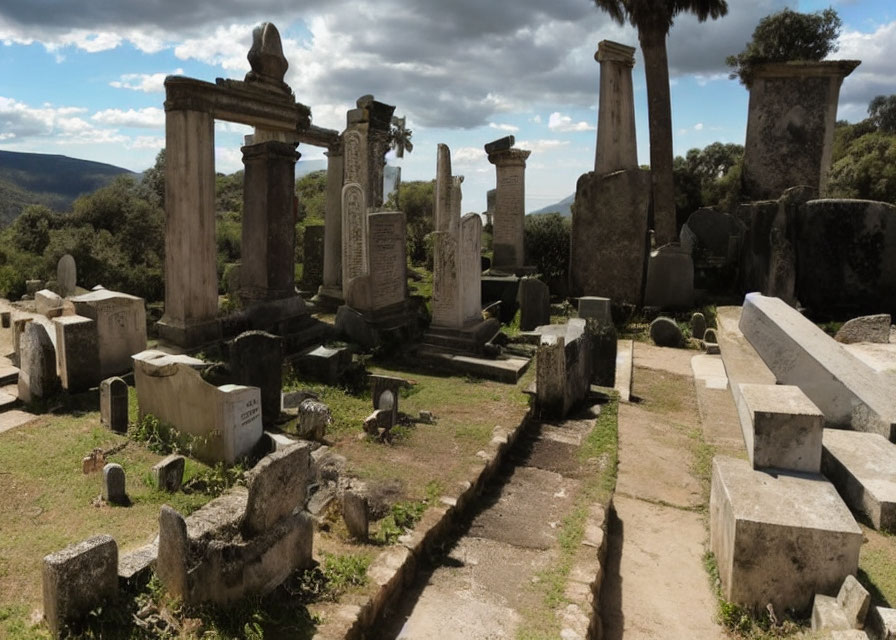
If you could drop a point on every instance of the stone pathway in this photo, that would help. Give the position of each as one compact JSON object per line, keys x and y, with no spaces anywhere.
{"x":656,"y":585}
{"x":488,"y":583}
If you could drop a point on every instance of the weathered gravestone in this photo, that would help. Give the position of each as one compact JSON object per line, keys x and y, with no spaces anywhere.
{"x":66,"y":275}
{"x":77,"y":352}
{"x":665,"y":332}
{"x":313,"y":258}
{"x":114,"y":404}
{"x":114,"y":484}
{"x":256,"y":359}
{"x":168,"y":473}
{"x":355,"y":514}
{"x":698,"y":325}
{"x":534,"y":299}
{"x":37,"y":364}
{"x":120,"y":324}
{"x":78,"y":579}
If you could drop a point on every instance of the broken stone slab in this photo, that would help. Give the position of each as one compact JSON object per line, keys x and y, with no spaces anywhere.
{"x":277,"y":485}
{"x":135,"y":567}
{"x":782,"y":428}
{"x":563,"y":367}
{"x":168,"y":473}
{"x":46,"y":301}
{"x":846,"y":390}
{"x":355,"y":514}
{"x":77,"y":579}
{"x":279,"y":441}
{"x":874,"y":328}
{"x":855,"y":600}
{"x":779,"y":538}
{"x":326,"y":364}
{"x":882,"y":623}
{"x":501,"y":144}
{"x":828,"y":615}
{"x":863,"y":468}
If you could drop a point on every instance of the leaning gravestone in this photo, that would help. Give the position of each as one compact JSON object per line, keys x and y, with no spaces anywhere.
{"x":169,"y":473}
{"x":114,"y":404}
{"x":66,"y":275}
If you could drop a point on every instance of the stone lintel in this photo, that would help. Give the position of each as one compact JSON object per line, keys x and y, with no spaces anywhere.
{"x":509,"y":157}
{"x":319,"y":137}
{"x":609,"y":51}
{"x":270,"y":148}
{"x":806,"y":69}
{"x":237,"y":101}
{"x":501,"y":144}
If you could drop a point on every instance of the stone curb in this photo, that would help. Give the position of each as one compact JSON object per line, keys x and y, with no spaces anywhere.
{"x":581,"y":618}
{"x":393,"y":569}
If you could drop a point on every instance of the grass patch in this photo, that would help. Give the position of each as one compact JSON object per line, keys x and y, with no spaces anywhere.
{"x":877,"y":566}
{"x":598,"y":454}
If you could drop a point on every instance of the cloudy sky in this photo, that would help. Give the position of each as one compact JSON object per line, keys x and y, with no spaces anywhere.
{"x":83,"y":78}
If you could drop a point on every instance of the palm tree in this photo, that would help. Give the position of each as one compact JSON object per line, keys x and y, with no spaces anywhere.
{"x":653,"y":19}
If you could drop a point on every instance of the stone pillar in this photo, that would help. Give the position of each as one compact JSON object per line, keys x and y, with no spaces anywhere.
{"x":790,"y":126}
{"x":367,"y":139}
{"x":269,"y":232}
{"x":510,"y":203}
{"x":191,"y":278}
{"x":617,"y":147}
{"x":332,"y":285}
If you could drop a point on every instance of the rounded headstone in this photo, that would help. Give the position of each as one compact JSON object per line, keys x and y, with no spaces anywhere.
{"x":665,"y":332}
{"x":709,"y":336}
{"x":113,"y":484}
{"x":698,"y":325}
{"x":66,"y":275}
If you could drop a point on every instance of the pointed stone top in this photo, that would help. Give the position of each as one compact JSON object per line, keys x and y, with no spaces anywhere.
{"x":501,"y":144}
{"x":609,"y":51}
{"x":266,"y":57}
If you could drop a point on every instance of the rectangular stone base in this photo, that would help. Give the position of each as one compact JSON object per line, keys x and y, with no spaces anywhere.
{"x":372,"y":329}
{"x":188,"y":336}
{"x":503,"y":369}
{"x":779,"y":538}
{"x":469,"y":340}
{"x":863,"y":468}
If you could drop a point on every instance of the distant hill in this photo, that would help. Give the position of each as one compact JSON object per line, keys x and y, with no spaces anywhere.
{"x":51,"y":180}
{"x":562,"y":207}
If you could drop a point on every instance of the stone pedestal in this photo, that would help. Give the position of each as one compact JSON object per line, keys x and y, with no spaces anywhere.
{"x":510,"y":207}
{"x":790,"y":126}
{"x":617,"y":147}
{"x":120,"y":327}
{"x":77,"y":352}
{"x":268,"y":245}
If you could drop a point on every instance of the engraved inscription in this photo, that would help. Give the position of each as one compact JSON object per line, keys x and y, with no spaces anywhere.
{"x":352,"y":157}
{"x":387,"y":258}
{"x":354,"y":233}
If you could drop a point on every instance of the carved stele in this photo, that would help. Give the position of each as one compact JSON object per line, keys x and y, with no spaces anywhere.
{"x":355,"y":261}
{"x":353,"y":168}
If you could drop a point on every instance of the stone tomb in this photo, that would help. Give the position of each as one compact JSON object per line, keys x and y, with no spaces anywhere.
{"x":120,"y":327}
{"x":779,"y":538}
{"x":563,"y":367}
{"x":227,"y":419}
{"x":77,"y":352}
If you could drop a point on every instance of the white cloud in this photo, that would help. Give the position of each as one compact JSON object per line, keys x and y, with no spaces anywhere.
{"x":504,"y":127}
{"x":468,"y":155}
{"x":561,"y":124}
{"x":875,"y":76}
{"x":145,"y":82}
{"x":228,"y":159}
{"x":541,"y":146}
{"x":22,"y":121}
{"x":698,"y":126}
{"x":536,"y":119}
{"x":147,"y":142}
{"x":148,"y":117}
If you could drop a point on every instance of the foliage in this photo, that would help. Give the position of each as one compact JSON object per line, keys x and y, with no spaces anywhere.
{"x":707,"y":177}
{"x":161,"y":437}
{"x":546,"y":238}
{"x":311,"y":190}
{"x":416,"y":200}
{"x":403,"y":516}
{"x":882,"y":112}
{"x":866,"y":170}
{"x":784,"y":36}
{"x":213,"y":481}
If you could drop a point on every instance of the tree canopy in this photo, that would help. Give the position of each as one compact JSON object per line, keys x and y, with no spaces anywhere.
{"x":882,"y":112}
{"x":784,"y":36}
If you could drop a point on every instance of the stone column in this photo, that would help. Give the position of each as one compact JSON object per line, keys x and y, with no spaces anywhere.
{"x":790,"y":126}
{"x":378,"y":145}
{"x":367,"y":140}
{"x":616,"y":144}
{"x":269,"y":218}
{"x":191,"y":278}
{"x":510,"y":200}
{"x":332,"y":285}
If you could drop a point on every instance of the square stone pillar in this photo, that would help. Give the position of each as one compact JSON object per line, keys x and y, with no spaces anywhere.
{"x":269,"y":219}
{"x":367,"y":139}
{"x":617,"y":147}
{"x":191,"y":277}
{"x":790,"y":126}
{"x":510,"y":203}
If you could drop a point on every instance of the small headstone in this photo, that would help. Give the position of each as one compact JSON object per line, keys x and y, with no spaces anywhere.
{"x":168,"y":473}
{"x":174,"y":551}
{"x":665,"y":332}
{"x":354,"y":512}
{"x":114,"y":404}
{"x":874,"y":328}
{"x":698,"y":325}
{"x":32,"y":287}
{"x":114,"y":484}
{"x":66,"y":275}
{"x":709,"y":336}
{"x":256,"y":361}
{"x":380,"y":385}
{"x":314,"y":416}
{"x":855,"y":600}
{"x":597,"y":308}
{"x":77,"y":579}
{"x":534,"y":299}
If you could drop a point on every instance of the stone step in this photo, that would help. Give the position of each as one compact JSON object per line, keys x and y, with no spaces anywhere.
{"x":847,"y":391}
{"x":8,"y":375}
{"x":742,"y":363}
{"x":863,"y":468}
{"x":14,"y":418}
{"x":7,"y":401}
{"x":779,"y":538}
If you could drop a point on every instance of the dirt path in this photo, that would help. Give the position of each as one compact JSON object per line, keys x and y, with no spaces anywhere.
{"x":656,"y":585}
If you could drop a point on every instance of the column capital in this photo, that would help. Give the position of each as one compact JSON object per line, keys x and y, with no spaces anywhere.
{"x":509,"y":157}
{"x":609,"y":51}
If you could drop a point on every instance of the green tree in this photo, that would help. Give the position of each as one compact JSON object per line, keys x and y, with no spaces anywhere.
{"x":31,"y":230}
{"x":546,"y":238}
{"x":705,"y":177}
{"x":653,"y":19}
{"x":311,"y":190}
{"x":882,"y":112}
{"x":153,"y":181}
{"x":416,"y":199}
{"x":866,"y":170}
{"x":784,"y":36}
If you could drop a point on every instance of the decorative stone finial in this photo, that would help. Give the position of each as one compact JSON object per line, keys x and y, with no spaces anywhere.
{"x":266,"y":55}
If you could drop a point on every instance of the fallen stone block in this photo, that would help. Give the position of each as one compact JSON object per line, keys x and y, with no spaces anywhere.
{"x":828,"y":615}
{"x":874,"y":328}
{"x":277,"y":486}
{"x":77,"y":579}
{"x":863,"y":468}
{"x":779,"y":538}
{"x":563,"y":368}
{"x":168,"y":473}
{"x":855,"y":600}
{"x":882,"y":623}
{"x":846,"y":390}
{"x":781,"y":427}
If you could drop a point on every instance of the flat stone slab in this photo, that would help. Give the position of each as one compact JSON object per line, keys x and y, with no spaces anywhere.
{"x":8,"y":375}
{"x":710,"y":371}
{"x":7,"y":400}
{"x":624,"y":359}
{"x":779,"y":537}
{"x":847,"y":391}
{"x":863,"y":468}
{"x":880,"y":357}
{"x":742,"y":363}
{"x":15,"y":418}
{"x":504,"y":369}
{"x":781,"y":427}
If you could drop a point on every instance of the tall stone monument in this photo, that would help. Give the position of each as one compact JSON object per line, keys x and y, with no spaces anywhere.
{"x":331,"y":288}
{"x":367,"y":139}
{"x":608,"y":249}
{"x":261,"y":100}
{"x":510,"y":203}
{"x":790,"y":126}
{"x":457,"y":322}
